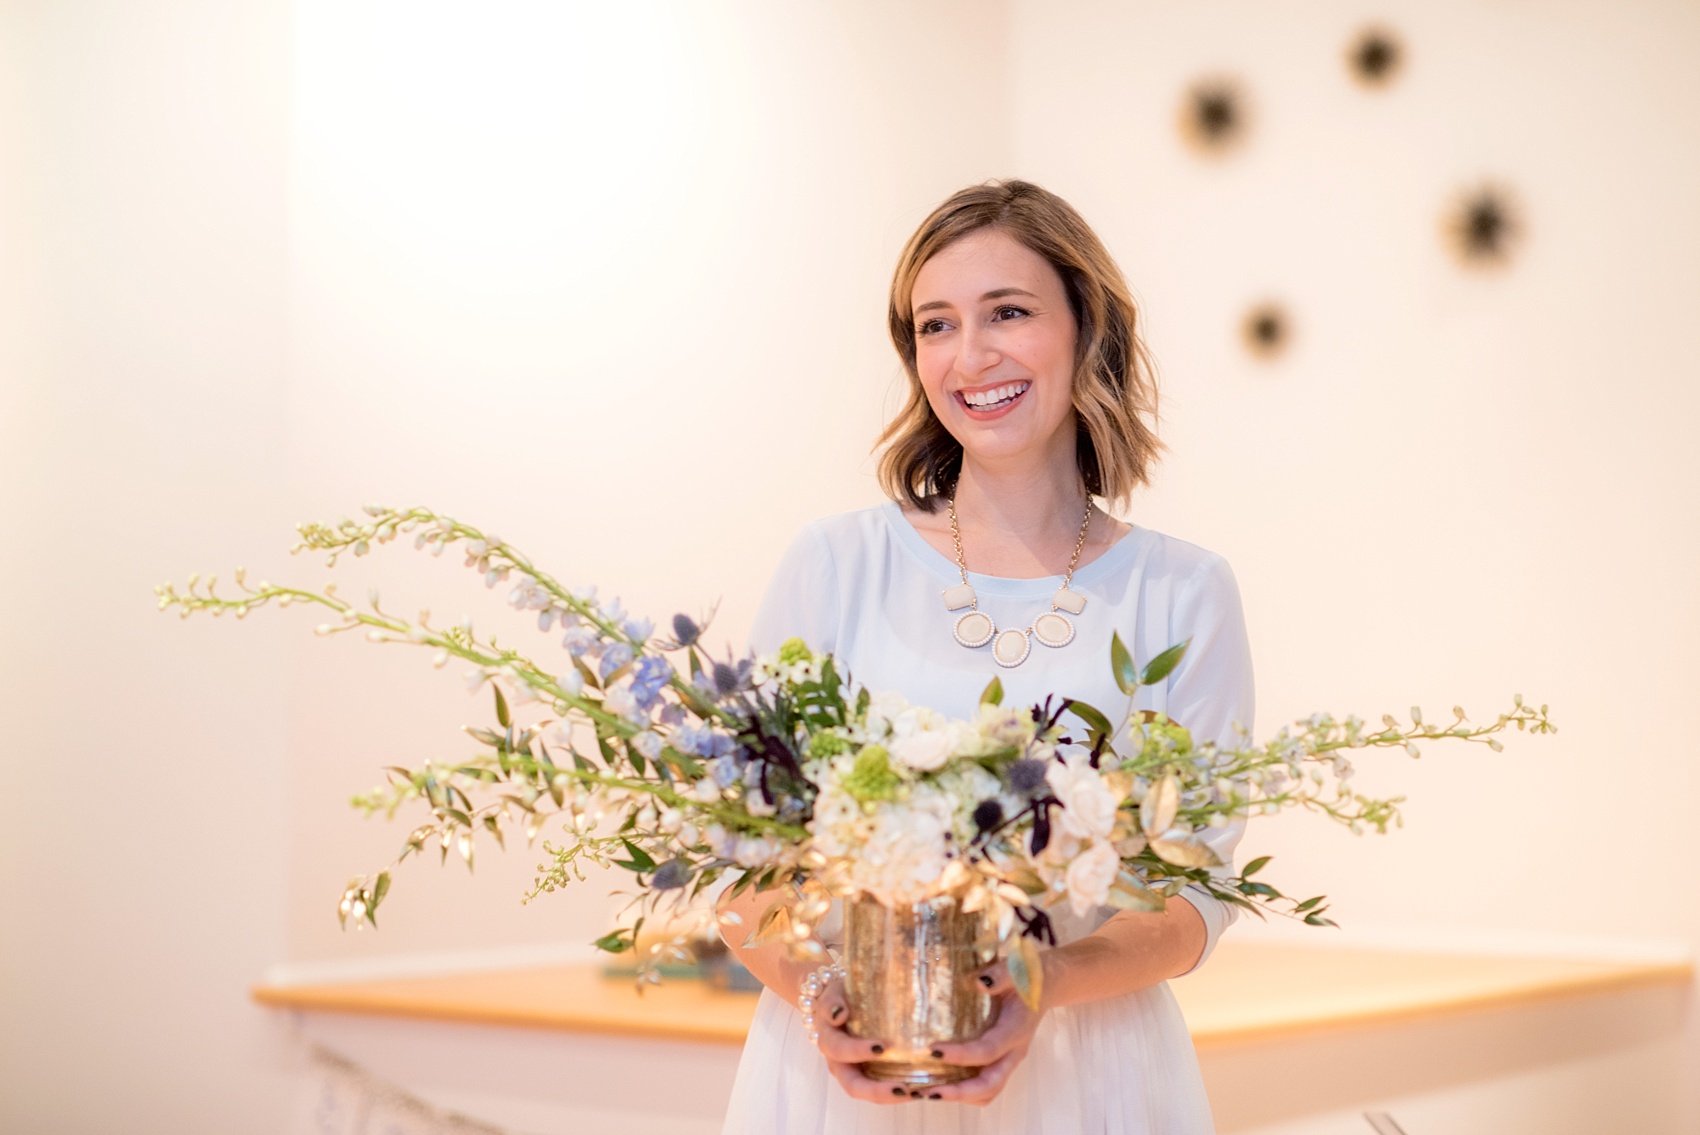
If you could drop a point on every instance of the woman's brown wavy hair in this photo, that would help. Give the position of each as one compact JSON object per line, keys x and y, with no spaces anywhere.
{"x":1115,"y":385}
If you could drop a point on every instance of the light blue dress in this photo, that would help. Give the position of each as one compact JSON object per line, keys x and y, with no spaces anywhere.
{"x":867,"y":587}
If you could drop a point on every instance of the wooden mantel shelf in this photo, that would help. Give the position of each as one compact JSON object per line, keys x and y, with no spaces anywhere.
{"x":1250,"y":991}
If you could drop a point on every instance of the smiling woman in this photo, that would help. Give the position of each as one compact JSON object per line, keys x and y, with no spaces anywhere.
{"x":1031,"y":399}
{"x":1042,"y":265}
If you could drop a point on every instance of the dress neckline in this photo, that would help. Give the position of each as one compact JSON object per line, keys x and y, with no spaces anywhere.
{"x":1116,"y":557}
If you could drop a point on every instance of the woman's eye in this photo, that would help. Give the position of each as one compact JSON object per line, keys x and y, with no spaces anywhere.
{"x":930,"y":327}
{"x":1008,"y":312}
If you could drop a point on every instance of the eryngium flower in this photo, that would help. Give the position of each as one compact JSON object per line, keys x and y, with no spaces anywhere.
{"x":671,"y":875}
{"x":1026,"y":776}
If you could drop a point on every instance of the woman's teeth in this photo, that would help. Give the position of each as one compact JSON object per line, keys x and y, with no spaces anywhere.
{"x":996,"y":396}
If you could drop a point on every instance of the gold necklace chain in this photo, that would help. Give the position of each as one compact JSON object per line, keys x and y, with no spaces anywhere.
{"x":1073,"y":561}
{"x":1010,"y":646}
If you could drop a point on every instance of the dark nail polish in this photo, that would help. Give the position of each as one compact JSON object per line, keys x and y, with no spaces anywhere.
{"x":914,"y":1095}
{"x":986,"y":980}
{"x":898,"y":1092}
{"x":938,"y":1054}
{"x":878,"y":1048}
{"x":935,"y":1096}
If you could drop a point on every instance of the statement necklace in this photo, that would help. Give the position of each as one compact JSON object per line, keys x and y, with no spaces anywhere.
{"x":975,"y":628}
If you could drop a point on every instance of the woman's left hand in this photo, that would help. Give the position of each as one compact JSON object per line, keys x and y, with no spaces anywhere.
{"x":998,"y":1051}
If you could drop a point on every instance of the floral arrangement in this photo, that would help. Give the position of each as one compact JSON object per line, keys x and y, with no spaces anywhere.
{"x":779,"y":773}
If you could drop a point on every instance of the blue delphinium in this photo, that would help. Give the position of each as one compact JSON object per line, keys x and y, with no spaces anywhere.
{"x":649,"y":677}
{"x":581,"y":639}
{"x":614,"y":656}
{"x":701,"y":741}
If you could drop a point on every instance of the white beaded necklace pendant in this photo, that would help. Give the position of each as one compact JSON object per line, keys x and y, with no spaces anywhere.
{"x":1053,"y":629}
{"x":975,"y":629}
{"x":1011,"y":648}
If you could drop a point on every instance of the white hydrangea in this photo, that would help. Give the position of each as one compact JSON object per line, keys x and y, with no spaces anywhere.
{"x":894,"y":849}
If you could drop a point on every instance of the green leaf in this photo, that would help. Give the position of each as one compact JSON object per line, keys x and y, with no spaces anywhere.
{"x":687,"y":766}
{"x":1318,"y":920}
{"x":1164,"y":664}
{"x":1307,"y":904}
{"x":993,"y":693}
{"x":589,"y":675}
{"x":501,"y":706}
{"x":1255,"y":866}
{"x":379,"y":889}
{"x":1094,"y":719}
{"x":1121,"y":665}
{"x":639,"y":856}
{"x":615,"y":943}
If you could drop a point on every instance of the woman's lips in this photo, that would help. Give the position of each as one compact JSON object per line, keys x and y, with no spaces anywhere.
{"x":1005,"y":397}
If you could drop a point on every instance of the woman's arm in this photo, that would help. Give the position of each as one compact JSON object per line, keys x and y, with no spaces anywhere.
{"x":771,"y":963}
{"x":1133,"y":950}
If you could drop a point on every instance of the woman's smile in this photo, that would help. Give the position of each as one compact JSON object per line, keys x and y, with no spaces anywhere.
{"x":983,"y":403}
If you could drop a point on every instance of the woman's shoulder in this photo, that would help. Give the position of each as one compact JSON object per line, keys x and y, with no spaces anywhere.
{"x":1162,"y":556}
{"x":848,"y":533}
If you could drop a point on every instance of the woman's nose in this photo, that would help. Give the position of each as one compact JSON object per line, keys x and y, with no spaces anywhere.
{"x":976,"y":351}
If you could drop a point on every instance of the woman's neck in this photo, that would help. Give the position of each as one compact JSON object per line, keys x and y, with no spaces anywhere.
{"x":1038,"y":508}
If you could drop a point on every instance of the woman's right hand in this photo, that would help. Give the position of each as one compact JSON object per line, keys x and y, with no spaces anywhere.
{"x":845,"y":1054}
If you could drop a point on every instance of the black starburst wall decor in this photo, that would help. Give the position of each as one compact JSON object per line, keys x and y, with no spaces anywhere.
{"x":1266,"y":330}
{"x":1483,"y":227}
{"x":1215,"y":115}
{"x":1375,"y":57}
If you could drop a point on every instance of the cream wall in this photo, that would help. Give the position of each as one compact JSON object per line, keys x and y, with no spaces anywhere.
{"x":1454,"y":487}
{"x":609,"y":278}
{"x":606,"y":278}
{"x":144,"y":844}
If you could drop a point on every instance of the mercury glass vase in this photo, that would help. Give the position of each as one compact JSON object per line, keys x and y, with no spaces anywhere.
{"x":912,"y":980}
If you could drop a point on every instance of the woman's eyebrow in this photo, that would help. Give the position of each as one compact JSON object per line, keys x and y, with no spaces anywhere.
{"x":995,"y":294}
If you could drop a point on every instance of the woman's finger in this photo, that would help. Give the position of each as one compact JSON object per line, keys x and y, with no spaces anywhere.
{"x":836,"y":1044}
{"x":985,"y":1086}
{"x":996,"y":980}
{"x":858,"y":1086}
{"x":832,"y":1014}
{"x":1013,"y":1028}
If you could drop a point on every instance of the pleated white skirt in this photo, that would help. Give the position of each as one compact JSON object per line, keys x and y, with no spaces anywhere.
{"x":1124,"y":1066}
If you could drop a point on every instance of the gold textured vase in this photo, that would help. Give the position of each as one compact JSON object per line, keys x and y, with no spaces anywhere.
{"x":912,"y":979}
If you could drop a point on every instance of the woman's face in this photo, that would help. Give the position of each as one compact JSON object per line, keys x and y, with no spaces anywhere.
{"x":994,"y":346}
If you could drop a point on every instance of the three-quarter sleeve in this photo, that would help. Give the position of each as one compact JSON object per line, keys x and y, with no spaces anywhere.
{"x":1211,"y":693}
{"x":802,"y":598}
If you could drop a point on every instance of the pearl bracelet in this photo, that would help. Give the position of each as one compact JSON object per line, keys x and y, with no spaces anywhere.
{"x":812,"y":987}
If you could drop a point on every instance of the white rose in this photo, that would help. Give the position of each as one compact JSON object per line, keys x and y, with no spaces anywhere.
{"x":882,"y":708}
{"x":1089,"y":807}
{"x":1089,"y":877}
{"x":924,"y":752}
